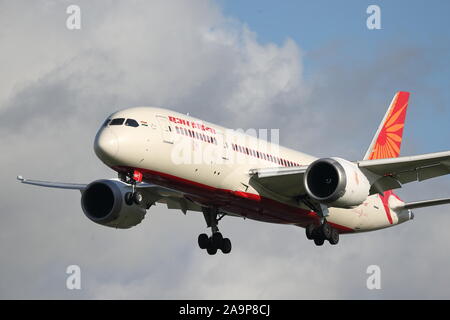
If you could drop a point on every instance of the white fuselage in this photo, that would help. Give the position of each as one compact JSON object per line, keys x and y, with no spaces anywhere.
{"x":210,"y":165}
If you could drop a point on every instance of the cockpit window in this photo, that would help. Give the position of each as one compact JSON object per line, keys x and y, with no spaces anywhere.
{"x":131,"y":123}
{"x":117,"y":122}
{"x":106,"y":122}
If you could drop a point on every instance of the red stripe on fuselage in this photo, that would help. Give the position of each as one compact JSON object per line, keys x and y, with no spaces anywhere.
{"x":385,"y":200}
{"x":245,"y":204}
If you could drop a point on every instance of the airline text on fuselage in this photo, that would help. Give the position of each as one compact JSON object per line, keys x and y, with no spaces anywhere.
{"x":191,"y":124}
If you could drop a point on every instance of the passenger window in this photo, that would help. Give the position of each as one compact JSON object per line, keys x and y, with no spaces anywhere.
{"x":117,"y":122}
{"x":131,"y":123}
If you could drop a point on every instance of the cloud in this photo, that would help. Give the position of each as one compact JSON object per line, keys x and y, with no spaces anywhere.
{"x":59,"y":85}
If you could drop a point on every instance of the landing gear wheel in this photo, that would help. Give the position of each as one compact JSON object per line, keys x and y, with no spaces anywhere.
{"x":217,"y":239}
{"x":319,"y":241}
{"x":309,"y":231}
{"x":226,"y":246}
{"x":138,"y":198}
{"x":326,"y":230}
{"x":211,"y":250}
{"x":129,"y":198}
{"x":203,"y":241}
{"x":334,"y":238}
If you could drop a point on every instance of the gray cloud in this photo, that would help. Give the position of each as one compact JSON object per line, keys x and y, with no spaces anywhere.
{"x":59,"y":85}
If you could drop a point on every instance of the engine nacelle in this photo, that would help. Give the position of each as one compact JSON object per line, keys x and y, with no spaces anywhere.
{"x":336,"y":182}
{"x":103,"y":201}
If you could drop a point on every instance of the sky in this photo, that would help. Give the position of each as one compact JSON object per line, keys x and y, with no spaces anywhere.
{"x":309,"y":68}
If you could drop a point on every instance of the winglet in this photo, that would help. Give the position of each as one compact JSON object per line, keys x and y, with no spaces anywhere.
{"x":388,"y":139}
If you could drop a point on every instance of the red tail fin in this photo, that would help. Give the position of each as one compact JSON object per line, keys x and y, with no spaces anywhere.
{"x":387,"y":141}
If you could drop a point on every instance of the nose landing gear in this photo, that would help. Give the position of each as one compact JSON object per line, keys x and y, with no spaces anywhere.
{"x":134,"y":196}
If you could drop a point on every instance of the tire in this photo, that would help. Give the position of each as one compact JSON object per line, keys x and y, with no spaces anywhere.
{"x":319,"y":241}
{"x":310,"y":231}
{"x":334,"y":238}
{"x":138,"y":198}
{"x":129,"y":198}
{"x":326,"y":230}
{"x":217,"y":240}
{"x":211,"y":250}
{"x":203,"y":241}
{"x":226,"y":246}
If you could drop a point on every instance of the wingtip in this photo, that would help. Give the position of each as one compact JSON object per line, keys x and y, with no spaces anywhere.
{"x":20,"y":178}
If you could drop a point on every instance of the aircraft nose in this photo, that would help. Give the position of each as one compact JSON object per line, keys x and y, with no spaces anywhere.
{"x":106,"y":144}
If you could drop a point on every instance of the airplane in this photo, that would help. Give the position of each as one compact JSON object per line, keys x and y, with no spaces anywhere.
{"x":162,"y":156}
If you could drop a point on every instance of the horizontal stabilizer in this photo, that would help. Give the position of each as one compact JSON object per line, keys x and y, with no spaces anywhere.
{"x":426,"y":203}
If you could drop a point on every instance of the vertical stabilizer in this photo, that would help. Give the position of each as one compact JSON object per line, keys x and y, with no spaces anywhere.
{"x":388,"y":139}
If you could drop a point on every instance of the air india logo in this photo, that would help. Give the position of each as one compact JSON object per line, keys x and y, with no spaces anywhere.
{"x":390,"y":137}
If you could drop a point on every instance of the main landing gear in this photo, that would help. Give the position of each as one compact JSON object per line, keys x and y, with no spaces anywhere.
{"x":321,"y":233}
{"x":216,"y":241}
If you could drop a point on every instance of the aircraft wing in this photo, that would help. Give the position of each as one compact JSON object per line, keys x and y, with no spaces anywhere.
{"x":285,"y":182}
{"x":49,"y":184}
{"x":394,"y":172}
{"x":173,"y":199}
{"x":387,"y":174}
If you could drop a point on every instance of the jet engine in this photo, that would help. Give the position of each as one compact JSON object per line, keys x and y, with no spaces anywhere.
{"x":103,"y":201}
{"x":336,"y":182}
